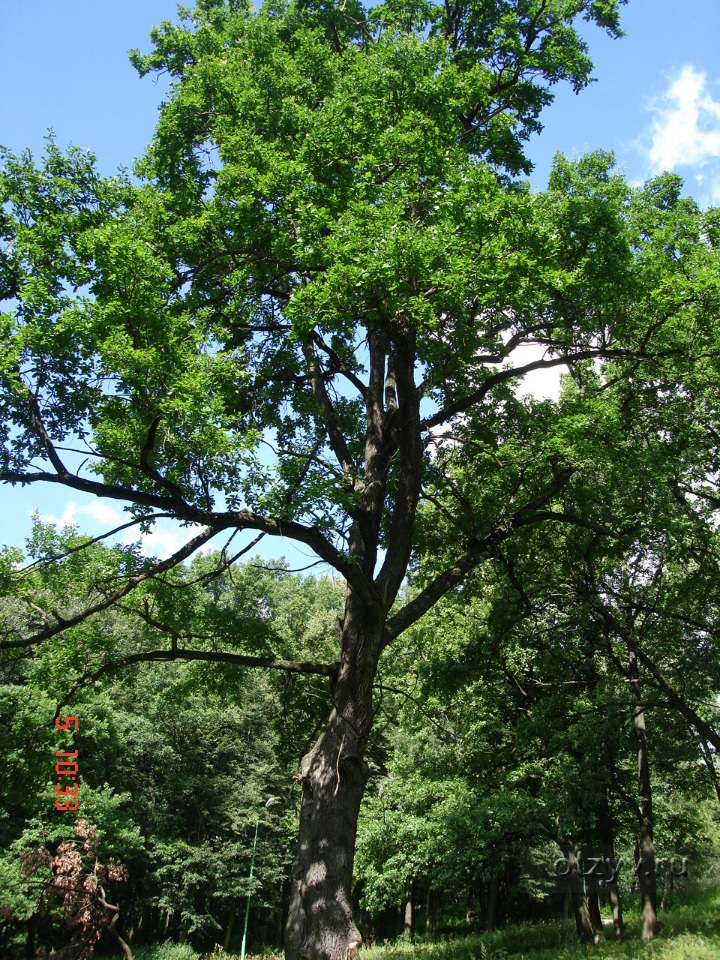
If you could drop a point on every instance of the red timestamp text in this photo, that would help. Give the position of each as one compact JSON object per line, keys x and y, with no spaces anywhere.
{"x":67,"y":789}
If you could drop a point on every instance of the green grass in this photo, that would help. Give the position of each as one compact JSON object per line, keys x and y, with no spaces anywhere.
{"x":690,"y":931}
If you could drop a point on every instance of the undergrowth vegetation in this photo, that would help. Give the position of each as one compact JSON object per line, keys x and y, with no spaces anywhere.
{"x":690,"y":931}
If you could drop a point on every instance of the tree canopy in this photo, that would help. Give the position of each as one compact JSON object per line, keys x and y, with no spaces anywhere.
{"x":299,"y":318}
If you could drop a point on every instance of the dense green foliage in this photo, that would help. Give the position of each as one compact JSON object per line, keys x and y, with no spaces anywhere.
{"x":498,"y":730}
{"x":175,"y":761}
{"x":300,"y":319}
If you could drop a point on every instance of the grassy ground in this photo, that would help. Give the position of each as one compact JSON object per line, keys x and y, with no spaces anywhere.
{"x":690,"y":931}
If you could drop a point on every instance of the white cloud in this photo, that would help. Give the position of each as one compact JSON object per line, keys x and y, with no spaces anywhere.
{"x":73,"y":513}
{"x":685,"y":131}
{"x":101,"y":512}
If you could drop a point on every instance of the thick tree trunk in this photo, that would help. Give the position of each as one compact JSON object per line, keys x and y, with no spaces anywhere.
{"x":229,"y":927}
{"x":428,"y":913}
{"x":609,"y":870}
{"x":491,"y":910}
{"x":333,"y":775}
{"x":647,"y":881}
{"x":408,"y":924}
{"x":593,"y":894}
{"x":710,"y":767}
{"x":593,"y":872}
{"x":611,"y":885}
{"x":583,"y":921}
{"x":470,"y":904}
{"x":646,"y":847}
{"x":667,"y":885}
{"x":121,"y":943}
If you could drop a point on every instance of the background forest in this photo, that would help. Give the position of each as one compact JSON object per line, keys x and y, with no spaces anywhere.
{"x":505,"y":739}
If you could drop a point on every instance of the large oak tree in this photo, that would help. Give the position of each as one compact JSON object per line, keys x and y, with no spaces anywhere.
{"x":307,"y":300}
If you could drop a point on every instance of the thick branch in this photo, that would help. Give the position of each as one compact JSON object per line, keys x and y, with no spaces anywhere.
{"x":502,"y":376}
{"x":184,"y":511}
{"x":132,"y":584}
{"x":37,"y":422}
{"x":271,"y":663}
{"x":220,"y":656}
{"x":437,"y":588}
{"x":560,"y":517}
{"x":211,"y":656}
{"x":335,"y":435}
{"x":90,"y":541}
{"x":240,"y":519}
{"x":340,"y":364}
{"x":402,"y":523}
{"x":476,"y":552}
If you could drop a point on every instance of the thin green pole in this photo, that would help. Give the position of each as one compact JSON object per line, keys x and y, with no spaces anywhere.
{"x":247,"y":908}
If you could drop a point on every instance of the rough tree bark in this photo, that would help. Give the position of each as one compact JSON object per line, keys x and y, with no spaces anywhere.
{"x":593,"y":871}
{"x":583,"y":921}
{"x":491,"y":903}
{"x":710,"y":766}
{"x":429,"y":914}
{"x":609,"y":866}
{"x":408,"y":926}
{"x":611,"y":885}
{"x":646,"y":848}
{"x":333,"y":776}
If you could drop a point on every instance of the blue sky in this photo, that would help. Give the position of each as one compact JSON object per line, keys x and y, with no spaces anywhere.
{"x":656,"y":104}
